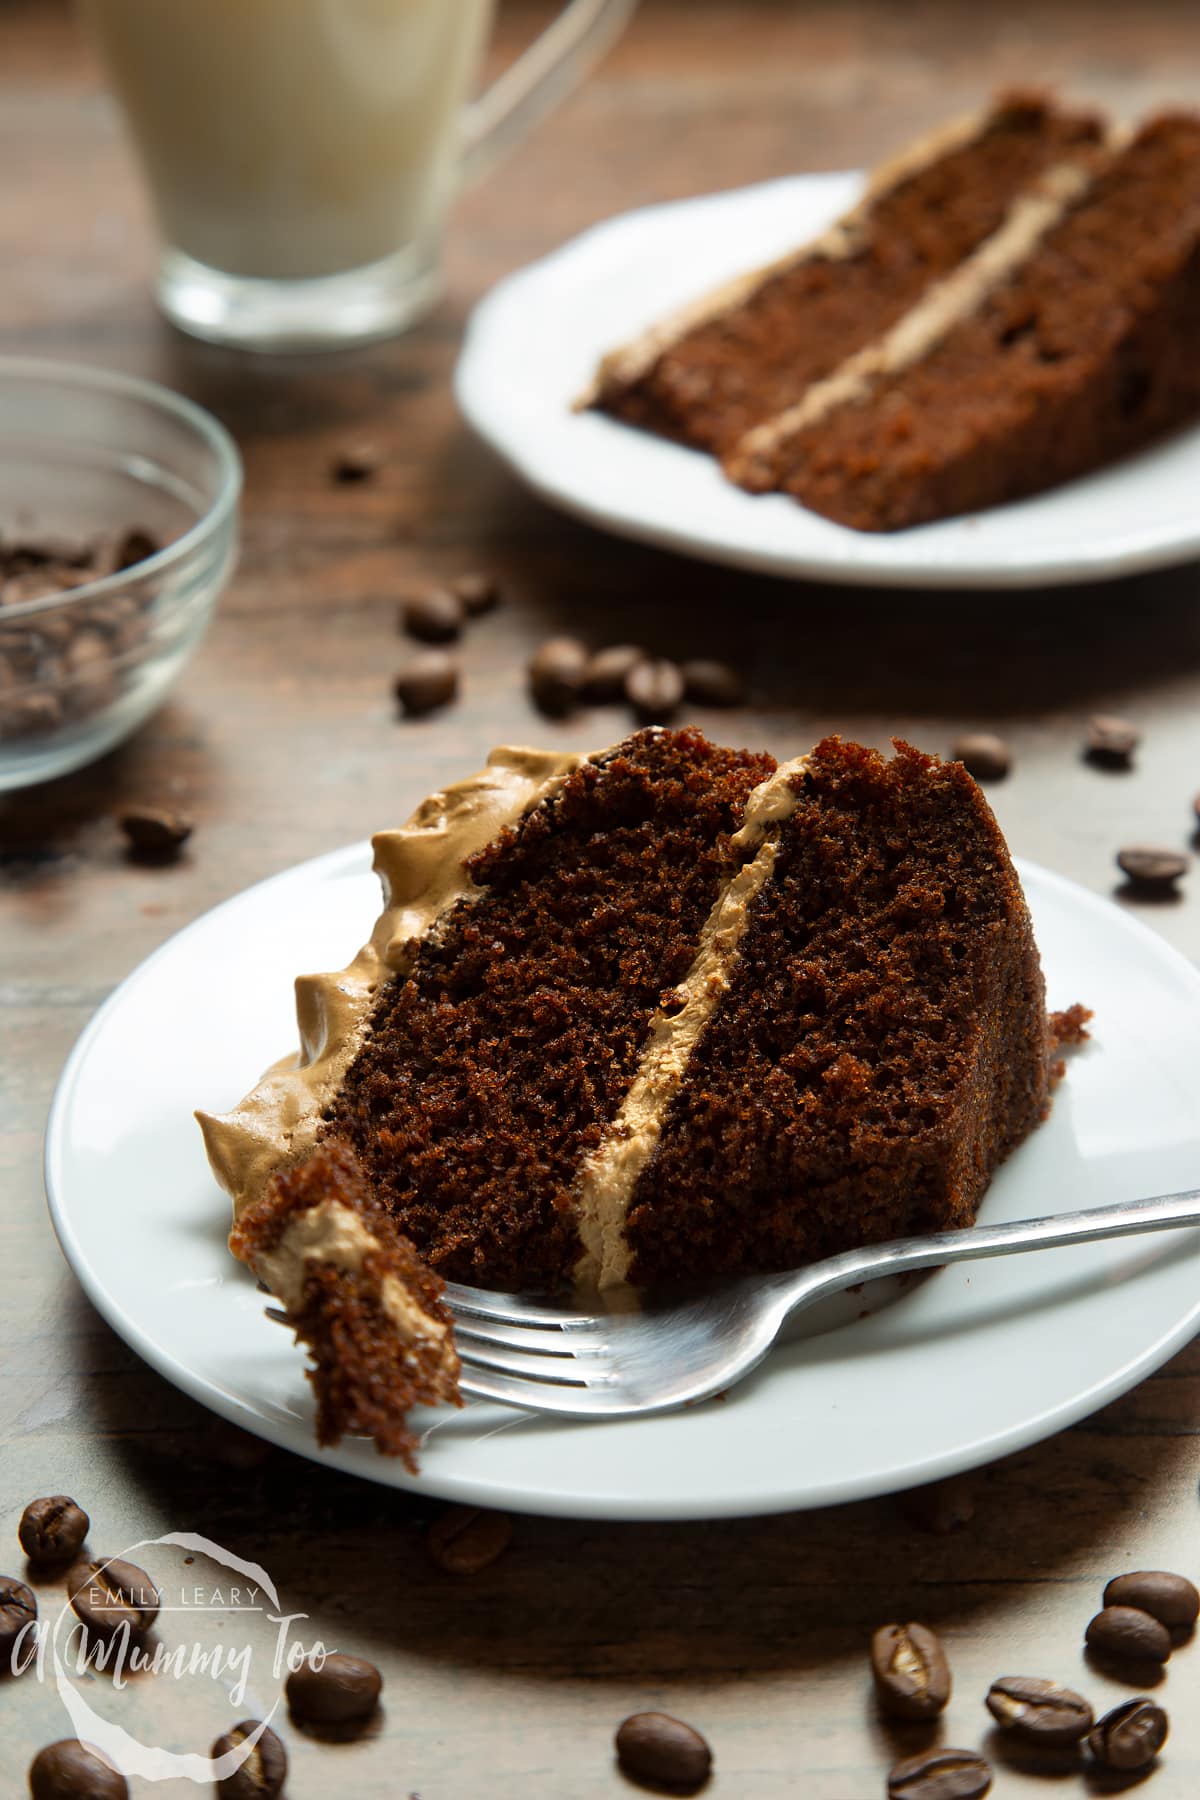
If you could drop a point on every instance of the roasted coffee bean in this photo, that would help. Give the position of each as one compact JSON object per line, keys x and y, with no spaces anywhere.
{"x":107,"y":1595}
{"x":607,"y":672}
{"x":1127,"y":1634}
{"x":467,"y":1538}
{"x":712,"y":683}
{"x":18,"y":1610}
{"x":940,"y":1775}
{"x":344,"y":1690}
{"x":1130,"y":1736}
{"x":654,"y":1747}
{"x":154,"y":831}
{"x":436,"y":616}
{"x":262,"y":1775}
{"x":983,"y":755}
{"x":556,"y":675}
{"x":135,"y":547}
{"x":1110,"y":741}
{"x":940,"y":1506}
{"x":478,"y":592}
{"x":1171,"y":1599}
{"x":912,"y":1676}
{"x":428,"y":681}
{"x":70,"y":1770}
{"x":354,"y":463}
{"x":52,"y":1530}
{"x":654,"y":689}
{"x":1040,"y":1710}
{"x":1150,"y":867}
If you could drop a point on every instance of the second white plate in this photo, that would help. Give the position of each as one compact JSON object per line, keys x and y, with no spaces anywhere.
{"x":534,"y":342}
{"x":976,"y":1361}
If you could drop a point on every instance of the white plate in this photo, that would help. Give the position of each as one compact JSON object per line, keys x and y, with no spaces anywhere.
{"x":534,"y":342}
{"x":976,"y":1361}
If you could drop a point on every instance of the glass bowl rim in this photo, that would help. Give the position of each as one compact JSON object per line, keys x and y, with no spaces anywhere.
{"x":204,"y":425}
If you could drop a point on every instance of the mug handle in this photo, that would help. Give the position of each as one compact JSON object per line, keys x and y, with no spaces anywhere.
{"x":538,"y":80}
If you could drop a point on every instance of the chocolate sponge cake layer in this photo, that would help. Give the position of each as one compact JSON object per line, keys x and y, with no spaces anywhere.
{"x":881,"y":1046}
{"x":492,"y":1067}
{"x":749,"y":351}
{"x":1081,"y":351}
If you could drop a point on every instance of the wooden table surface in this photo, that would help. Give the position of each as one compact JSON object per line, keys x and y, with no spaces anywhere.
{"x":281,"y":741}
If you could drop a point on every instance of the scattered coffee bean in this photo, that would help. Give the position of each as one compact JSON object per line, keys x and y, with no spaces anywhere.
{"x":983,"y":755}
{"x":712,"y":683}
{"x":467,"y":1538}
{"x":940,"y":1775}
{"x":18,"y":1609}
{"x":654,"y":689}
{"x":912,"y":1676}
{"x":607,"y":672}
{"x":52,"y":1530}
{"x":1110,"y":741}
{"x":479,"y":593}
{"x":1171,"y":1599}
{"x":1039,"y":1710}
{"x":1150,"y":867}
{"x":343,"y":1691}
{"x":262,"y":1775}
{"x":428,"y":681}
{"x":1130,"y":1736}
{"x":354,"y":463}
{"x":136,"y":546}
{"x":107,"y":1595}
{"x":70,"y":1770}
{"x":654,"y":1747}
{"x":940,"y":1506}
{"x":436,"y":616}
{"x":556,"y":675}
{"x":1127,"y":1634}
{"x":154,"y":832}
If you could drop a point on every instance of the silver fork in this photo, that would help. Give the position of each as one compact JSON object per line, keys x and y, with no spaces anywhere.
{"x":622,"y":1365}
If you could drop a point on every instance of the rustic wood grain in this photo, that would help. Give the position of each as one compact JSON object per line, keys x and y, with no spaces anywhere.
{"x":282,"y":743}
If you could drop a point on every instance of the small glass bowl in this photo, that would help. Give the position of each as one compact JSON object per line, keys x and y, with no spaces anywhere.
{"x":86,"y":455}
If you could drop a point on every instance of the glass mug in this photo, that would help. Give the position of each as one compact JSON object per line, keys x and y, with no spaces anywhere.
{"x":302,"y":155}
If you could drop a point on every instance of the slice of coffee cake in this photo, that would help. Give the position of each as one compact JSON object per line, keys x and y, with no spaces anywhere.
{"x":665,"y":1012}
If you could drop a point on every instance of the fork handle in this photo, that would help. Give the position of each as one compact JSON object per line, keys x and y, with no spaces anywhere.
{"x":1164,"y":1212}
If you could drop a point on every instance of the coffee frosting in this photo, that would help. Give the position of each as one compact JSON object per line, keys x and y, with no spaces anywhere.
{"x":611,"y":1173}
{"x":332,"y":1233}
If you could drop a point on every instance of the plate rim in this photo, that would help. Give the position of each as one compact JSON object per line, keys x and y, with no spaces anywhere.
{"x":1137,"y":550}
{"x":355,"y":1457}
